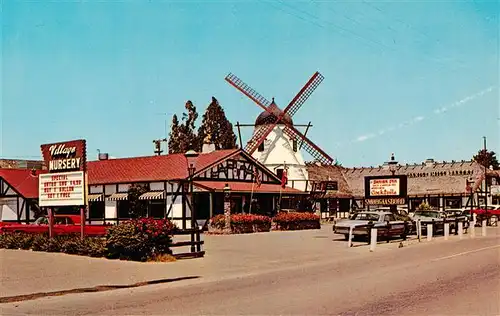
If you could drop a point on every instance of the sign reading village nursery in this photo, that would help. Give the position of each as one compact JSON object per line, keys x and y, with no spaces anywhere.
{"x":386,"y":190}
{"x":65,"y":156}
{"x":64,"y":185}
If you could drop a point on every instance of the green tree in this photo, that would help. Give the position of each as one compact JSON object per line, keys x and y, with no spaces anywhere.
{"x":216,"y":128}
{"x":173,"y":138}
{"x":182,"y":136}
{"x":486,"y":159}
{"x":137,"y":208}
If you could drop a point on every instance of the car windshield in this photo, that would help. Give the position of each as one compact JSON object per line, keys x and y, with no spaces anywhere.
{"x":427,"y":214}
{"x":41,"y":220}
{"x":366,"y":217}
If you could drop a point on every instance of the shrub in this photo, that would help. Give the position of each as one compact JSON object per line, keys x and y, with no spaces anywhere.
{"x":297,"y":221}
{"x":70,"y":244}
{"x":139,"y":239}
{"x":218,"y":222}
{"x":242,"y":223}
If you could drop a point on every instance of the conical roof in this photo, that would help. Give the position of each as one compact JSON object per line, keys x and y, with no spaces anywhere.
{"x":269,"y":117}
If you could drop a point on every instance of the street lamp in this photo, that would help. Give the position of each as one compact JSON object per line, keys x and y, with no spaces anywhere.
{"x":190,"y":156}
{"x":392,"y":164}
{"x":392,"y":168}
{"x":227,"y":208}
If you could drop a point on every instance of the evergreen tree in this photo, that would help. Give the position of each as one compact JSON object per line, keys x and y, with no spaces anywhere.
{"x":487,"y":159}
{"x":173,"y":139}
{"x":216,"y":128}
{"x":182,"y":136}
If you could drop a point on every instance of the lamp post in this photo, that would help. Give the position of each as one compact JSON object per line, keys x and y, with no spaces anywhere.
{"x":227,"y":208}
{"x":191,"y":170}
{"x":392,"y":168}
{"x":468,"y":186}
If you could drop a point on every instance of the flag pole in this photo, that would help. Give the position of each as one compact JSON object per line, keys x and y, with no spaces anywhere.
{"x":251,"y":199}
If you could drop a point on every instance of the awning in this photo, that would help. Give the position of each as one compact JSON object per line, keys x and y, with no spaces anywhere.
{"x":117,"y":197}
{"x":153,"y":195}
{"x":94,"y":197}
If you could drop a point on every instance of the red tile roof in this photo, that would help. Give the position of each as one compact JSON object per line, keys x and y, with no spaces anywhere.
{"x":22,"y":181}
{"x":150,"y":168}
{"x":246,"y":187}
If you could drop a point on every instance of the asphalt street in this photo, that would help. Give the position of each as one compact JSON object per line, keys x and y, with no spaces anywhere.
{"x":442,"y":278}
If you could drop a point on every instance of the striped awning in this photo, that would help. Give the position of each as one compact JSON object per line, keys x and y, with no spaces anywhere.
{"x":94,"y":197}
{"x":153,"y":195}
{"x":117,"y":197}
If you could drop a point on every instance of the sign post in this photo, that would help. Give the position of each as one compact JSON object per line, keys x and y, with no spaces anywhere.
{"x":64,"y":184}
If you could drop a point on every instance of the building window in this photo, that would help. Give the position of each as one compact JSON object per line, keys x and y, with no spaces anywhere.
{"x":261,"y":147}
{"x":123,"y":207}
{"x":294,"y":145}
{"x":279,"y":173}
{"x":453,"y":202}
{"x":96,"y":210}
{"x":434,"y":202}
{"x":157,"y":209}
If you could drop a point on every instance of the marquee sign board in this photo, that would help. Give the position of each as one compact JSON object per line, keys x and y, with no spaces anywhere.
{"x":64,"y":184}
{"x":65,"y":156}
{"x":386,"y":190}
{"x":61,"y":189}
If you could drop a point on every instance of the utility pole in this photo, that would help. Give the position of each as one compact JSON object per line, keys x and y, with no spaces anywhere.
{"x":157,"y":143}
{"x":485,"y":177}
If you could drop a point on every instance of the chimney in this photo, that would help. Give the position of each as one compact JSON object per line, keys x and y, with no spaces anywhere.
{"x":207,"y":148}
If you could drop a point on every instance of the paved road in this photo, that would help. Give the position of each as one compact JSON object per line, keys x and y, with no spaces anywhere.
{"x":442,"y":278}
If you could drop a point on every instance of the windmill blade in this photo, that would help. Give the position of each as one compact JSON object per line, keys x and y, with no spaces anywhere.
{"x":248,"y":91}
{"x":304,"y":94}
{"x":310,"y":147}
{"x":259,"y":137}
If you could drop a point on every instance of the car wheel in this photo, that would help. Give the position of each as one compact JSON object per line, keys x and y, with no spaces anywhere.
{"x":494,"y":220}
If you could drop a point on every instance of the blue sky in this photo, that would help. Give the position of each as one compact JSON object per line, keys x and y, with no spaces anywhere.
{"x":104,"y":70}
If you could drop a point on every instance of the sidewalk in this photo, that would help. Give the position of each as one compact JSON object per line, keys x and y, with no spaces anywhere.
{"x":26,"y":272}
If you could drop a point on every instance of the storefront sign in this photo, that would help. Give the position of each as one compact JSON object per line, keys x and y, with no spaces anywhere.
{"x":61,"y":189}
{"x":385,"y":186}
{"x":386,"y":201}
{"x":65,"y":156}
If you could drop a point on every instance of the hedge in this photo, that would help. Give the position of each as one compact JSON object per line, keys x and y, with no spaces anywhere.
{"x":139,"y":240}
{"x":241,"y":223}
{"x":297,"y":221}
{"x":250,"y":223}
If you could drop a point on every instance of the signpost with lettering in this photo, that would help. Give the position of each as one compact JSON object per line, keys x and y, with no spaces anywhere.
{"x":386,"y":190}
{"x":64,"y":184}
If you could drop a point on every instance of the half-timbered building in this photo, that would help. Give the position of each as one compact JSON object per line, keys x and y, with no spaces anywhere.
{"x":175,"y":181}
{"x":18,"y":194}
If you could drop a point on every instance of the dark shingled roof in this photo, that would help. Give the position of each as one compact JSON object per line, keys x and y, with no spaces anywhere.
{"x":334,"y":173}
{"x":432,"y":178}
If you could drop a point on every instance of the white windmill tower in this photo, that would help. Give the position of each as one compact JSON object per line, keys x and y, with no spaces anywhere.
{"x":276,"y":142}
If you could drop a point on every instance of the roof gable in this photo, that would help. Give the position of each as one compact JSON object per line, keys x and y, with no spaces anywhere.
{"x":239,"y":159}
{"x":149,"y":168}
{"x":22,"y":181}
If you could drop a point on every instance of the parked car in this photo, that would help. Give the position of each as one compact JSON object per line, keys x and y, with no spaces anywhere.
{"x":439,"y":218}
{"x":63,"y":225}
{"x":385,"y":222}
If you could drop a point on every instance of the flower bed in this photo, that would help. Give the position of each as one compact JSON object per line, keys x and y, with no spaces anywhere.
{"x":140,"y":240}
{"x":297,"y":221}
{"x":241,"y":223}
{"x":249,"y":223}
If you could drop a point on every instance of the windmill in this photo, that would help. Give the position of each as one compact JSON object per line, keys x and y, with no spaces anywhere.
{"x":275,"y":140}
